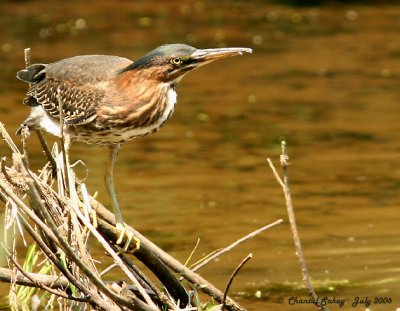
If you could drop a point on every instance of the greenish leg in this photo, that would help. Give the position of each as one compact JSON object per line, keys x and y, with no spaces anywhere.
{"x":109,"y":182}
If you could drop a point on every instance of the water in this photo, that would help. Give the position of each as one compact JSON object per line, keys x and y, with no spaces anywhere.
{"x":324,"y":79}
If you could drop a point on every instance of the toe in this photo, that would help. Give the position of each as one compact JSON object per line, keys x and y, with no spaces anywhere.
{"x":124,"y":232}
{"x":121,"y":228}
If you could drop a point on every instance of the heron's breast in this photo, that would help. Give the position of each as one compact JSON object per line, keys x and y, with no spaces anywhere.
{"x":146,"y":119}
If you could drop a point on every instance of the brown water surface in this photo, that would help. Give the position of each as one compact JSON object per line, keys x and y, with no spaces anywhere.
{"x":325,"y":79}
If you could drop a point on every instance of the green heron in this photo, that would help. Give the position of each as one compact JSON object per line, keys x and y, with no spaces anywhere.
{"x":108,"y":100}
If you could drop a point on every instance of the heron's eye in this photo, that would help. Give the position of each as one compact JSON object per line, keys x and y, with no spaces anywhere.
{"x":176,"y":61}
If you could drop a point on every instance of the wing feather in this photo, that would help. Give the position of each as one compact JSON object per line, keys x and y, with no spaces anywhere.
{"x":77,"y":104}
{"x":76,"y":84}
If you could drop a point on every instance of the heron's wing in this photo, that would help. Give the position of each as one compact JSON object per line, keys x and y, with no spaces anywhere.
{"x":74,"y":86}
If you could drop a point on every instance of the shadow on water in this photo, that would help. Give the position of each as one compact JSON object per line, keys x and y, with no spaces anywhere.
{"x":326,"y":79}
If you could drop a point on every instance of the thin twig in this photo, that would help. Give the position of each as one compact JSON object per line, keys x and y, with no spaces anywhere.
{"x":24,"y":135}
{"x":27,"y":56}
{"x":5,"y":173}
{"x":275,"y":172}
{"x":236,"y":243}
{"x":284,"y":160}
{"x":53,"y":281}
{"x":47,"y":151}
{"x":235,"y":272}
{"x":192,"y":252}
{"x":65,"y":142}
{"x":8,"y":139}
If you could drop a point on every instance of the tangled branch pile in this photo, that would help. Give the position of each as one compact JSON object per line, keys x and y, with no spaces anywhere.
{"x":58,"y":214}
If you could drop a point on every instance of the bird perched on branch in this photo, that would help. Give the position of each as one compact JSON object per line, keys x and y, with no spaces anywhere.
{"x":108,"y":100}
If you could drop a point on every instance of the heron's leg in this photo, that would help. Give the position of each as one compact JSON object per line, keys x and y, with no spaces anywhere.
{"x":109,"y":182}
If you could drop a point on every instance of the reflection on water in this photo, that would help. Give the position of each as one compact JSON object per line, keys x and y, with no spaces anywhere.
{"x":326,"y":79}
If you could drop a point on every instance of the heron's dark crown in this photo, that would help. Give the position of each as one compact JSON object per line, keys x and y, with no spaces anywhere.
{"x":162,"y":55}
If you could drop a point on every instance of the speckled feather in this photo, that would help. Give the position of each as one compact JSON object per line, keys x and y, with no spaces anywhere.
{"x":77,"y":82}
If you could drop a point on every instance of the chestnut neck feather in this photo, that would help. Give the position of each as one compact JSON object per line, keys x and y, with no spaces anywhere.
{"x":139,"y":100}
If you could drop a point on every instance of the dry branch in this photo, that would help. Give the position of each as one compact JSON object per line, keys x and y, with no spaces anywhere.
{"x":284,"y":160}
{"x":235,"y":272}
{"x":236,"y":243}
{"x":53,"y":281}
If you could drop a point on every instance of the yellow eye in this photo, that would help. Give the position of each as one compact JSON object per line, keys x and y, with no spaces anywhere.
{"x":176,"y":61}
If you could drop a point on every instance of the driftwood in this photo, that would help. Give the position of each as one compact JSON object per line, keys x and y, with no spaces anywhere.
{"x":56,"y":211}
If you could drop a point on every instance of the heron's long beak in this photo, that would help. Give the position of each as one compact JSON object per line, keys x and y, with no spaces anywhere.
{"x":201,"y":57}
{"x":205,"y":56}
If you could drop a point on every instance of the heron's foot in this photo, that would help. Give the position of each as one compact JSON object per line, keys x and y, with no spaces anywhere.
{"x":128,"y":236}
